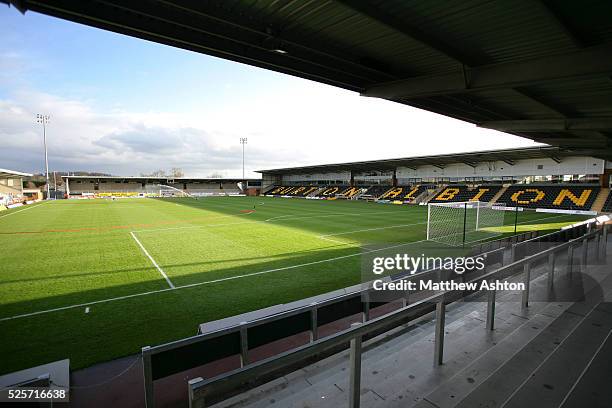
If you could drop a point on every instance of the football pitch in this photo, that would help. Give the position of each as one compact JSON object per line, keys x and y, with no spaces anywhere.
{"x":94,"y":280}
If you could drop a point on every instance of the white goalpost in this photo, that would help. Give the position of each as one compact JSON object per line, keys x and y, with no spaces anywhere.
{"x":169,"y":191}
{"x":460,"y":223}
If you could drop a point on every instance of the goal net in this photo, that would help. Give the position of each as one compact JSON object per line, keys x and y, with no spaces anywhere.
{"x":463,"y":222}
{"x":162,"y":190}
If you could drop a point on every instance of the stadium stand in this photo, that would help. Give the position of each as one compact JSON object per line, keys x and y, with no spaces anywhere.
{"x":376,"y":191}
{"x":352,"y":192}
{"x":607,"y":207}
{"x":203,"y":188}
{"x":331,"y":191}
{"x":230,"y":188}
{"x":561,"y":197}
{"x":303,"y":191}
{"x":11,"y":187}
{"x":460,"y":193}
{"x":276,"y":190}
{"x":296,"y":191}
{"x":403,"y":193}
{"x":111,"y":186}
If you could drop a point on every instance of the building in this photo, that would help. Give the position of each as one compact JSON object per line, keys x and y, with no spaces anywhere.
{"x":532,"y":164}
{"x":11,"y":186}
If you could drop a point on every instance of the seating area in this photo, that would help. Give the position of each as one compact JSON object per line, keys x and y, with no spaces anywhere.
{"x":402,"y":193}
{"x":377,"y":190}
{"x":549,"y":196}
{"x":607,"y":207}
{"x":460,"y":193}
{"x":321,"y":192}
{"x":331,"y":191}
{"x":296,"y":191}
{"x":561,"y":197}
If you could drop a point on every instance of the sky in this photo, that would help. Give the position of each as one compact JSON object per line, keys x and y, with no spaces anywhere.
{"x":126,"y":106}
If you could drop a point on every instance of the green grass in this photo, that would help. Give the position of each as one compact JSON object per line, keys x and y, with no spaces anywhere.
{"x":66,"y":254}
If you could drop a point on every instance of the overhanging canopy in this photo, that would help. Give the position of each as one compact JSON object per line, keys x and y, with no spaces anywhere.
{"x":4,"y":173}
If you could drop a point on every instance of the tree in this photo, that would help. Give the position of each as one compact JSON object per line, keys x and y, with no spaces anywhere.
{"x":177,"y":172}
{"x":215,"y":175}
{"x":156,"y":173}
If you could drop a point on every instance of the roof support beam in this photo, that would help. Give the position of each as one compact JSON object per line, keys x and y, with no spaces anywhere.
{"x":549,"y":106}
{"x":587,"y":62}
{"x":549,"y":125}
{"x":550,"y":8}
{"x":556,"y":159}
{"x":375,"y":13}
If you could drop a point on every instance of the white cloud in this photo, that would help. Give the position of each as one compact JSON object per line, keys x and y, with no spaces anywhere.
{"x":117,"y":142}
{"x":303,"y":123}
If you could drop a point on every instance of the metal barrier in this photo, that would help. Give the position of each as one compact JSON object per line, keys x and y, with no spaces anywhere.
{"x":200,"y":389}
{"x":503,"y":242}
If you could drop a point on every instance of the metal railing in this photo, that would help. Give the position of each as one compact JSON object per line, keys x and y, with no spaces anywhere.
{"x":200,"y":389}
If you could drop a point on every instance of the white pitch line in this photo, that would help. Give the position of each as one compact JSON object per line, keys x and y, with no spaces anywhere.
{"x":336,"y":241}
{"x":29,"y":207}
{"x":300,"y":217}
{"x":153,"y":292}
{"x":545,"y":218}
{"x":233,"y":223}
{"x":371,"y":229}
{"x":153,"y":261}
{"x":196,"y":226}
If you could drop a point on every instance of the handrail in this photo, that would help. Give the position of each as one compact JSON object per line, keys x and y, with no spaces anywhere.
{"x":200,"y":388}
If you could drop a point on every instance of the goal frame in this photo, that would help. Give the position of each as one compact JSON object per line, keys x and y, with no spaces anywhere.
{"x":465,"y":205}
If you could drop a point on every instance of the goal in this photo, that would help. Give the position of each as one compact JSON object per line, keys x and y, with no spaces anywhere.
{"x":168,"y":191}
{"x":461,"y":223}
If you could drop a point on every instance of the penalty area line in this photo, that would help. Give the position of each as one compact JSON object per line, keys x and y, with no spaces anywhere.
{"x":28,"y":207}
{"x":161,"y":271}
{"x":371,"y":229}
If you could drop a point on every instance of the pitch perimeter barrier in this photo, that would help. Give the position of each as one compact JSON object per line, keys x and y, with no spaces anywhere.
{"x":204,"y":391}
{"x":502,"y":242}
{"x":538,"y":243}
{"x":237,"y":340}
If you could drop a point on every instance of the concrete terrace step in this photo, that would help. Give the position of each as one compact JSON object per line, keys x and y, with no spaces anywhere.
{"x":505,"y":366}
{"x":499,"y":194}
{"x":600,"y":200}
{"x":474,"y":351}
{"x":549,"y":384}
{"x":593,"y":388}
{"x":509,"y":376}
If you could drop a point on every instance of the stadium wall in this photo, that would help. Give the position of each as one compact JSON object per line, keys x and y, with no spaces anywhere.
{"x":486,"y":170}
{"x":12,"y":185}
{"x":530,"y":167}
{"x":342,"y":178}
